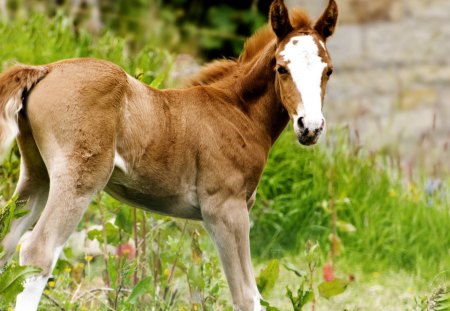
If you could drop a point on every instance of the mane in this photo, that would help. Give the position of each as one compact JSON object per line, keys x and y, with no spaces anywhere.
{"x":253,"y":47}
{"x":212,"y":72}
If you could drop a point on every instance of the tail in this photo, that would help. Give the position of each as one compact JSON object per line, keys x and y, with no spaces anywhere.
{"x":15,"y":84}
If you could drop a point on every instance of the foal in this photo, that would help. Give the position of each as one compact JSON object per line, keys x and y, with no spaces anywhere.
{"x":84,"y":125}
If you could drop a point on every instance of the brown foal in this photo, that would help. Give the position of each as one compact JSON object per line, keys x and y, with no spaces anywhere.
{"x":84,"y":125}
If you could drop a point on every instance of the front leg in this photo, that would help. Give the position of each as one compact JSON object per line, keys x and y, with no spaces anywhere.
{"x":227,"y":222}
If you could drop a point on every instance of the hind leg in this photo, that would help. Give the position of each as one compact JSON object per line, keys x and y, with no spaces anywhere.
{"x":32,"y":190}
{"x":71,"y":190}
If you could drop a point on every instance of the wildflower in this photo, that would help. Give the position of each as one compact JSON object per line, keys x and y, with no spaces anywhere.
{"x":67,"y":269}
{"x":415,"y":194}
{"x":47,"y":292}
{"x":126,"y":250}
{"x":433,"y":185}
{"x":166,"y":272}
{"x":328,"y":272}
{"x":51,"y":284}
{"x":88,"y":258}
{"x":392,"y":193}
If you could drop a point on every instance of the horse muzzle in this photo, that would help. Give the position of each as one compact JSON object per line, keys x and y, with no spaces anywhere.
{"x":308,"y":131}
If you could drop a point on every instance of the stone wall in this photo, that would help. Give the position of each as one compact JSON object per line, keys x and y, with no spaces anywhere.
{"x":392,"y":76}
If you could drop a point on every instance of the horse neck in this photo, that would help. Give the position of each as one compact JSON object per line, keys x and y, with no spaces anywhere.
{"x":255,"y":89}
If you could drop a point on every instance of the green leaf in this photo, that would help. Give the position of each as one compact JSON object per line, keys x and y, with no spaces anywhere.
{"x":8,"y":213}
{"x":11,"y":281}
{"x":333,"y":288}
{"x":293,"y":269}
{"x":268,"y":277}
{"x":312,"y":251}
{"x":302,"y":298}
{"x":268,"y":307}
{"x":112,"y":234}
{"x":345,"y":227}
{"x":141,"y":288}
{"x":125,"y":219}
{"x":112,"y":271}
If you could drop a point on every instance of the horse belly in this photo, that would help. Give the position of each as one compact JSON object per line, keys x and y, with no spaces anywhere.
{"x":183,"y":204}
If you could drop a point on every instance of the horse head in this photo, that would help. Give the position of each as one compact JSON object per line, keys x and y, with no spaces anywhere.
{"x":303,"y":67}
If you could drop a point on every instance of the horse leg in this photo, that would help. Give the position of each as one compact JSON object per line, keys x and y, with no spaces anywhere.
{"x":229,"y":227}
{"x":32,"y":190}
{"x":34,"y":195}
{"x":73,"y":183}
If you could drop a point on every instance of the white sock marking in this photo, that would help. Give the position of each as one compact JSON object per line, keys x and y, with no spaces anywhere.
{"x":257,"y":303}
{"x":28,"y":300}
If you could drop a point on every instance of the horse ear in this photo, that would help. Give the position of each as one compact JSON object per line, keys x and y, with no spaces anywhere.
{"x":327,"y":22}
{"x":279,"y":19}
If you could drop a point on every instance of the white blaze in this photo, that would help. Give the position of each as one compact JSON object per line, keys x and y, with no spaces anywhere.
{"x":306,"y":67}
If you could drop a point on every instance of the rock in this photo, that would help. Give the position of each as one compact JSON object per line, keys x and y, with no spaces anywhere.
{"x":391,"y":82}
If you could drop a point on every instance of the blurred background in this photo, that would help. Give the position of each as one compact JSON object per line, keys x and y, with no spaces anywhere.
{"x":366,"y":212}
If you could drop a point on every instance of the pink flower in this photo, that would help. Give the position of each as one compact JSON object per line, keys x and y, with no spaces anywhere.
{"x":127,"y":250}
{"x":328,"y":272}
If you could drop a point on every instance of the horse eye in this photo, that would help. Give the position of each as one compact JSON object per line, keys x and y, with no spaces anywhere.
{"x":281,"y":70}
{"x":330,"y":72}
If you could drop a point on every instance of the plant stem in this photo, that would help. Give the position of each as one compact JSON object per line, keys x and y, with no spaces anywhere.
{"x":136,"y":243}
{"x":54,"y":302}
{"x":334,"y":240}
{"x":105,"y":239}
{"x":144,"y":245}
{"x":172,"y":270}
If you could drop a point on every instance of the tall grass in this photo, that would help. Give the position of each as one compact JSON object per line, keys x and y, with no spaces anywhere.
{"x":40,"y":40}
{"x":399,"y":224}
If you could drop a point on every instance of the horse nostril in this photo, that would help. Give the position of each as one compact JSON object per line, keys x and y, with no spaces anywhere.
{"x":301,"y":124}
{"x":322,"y":125}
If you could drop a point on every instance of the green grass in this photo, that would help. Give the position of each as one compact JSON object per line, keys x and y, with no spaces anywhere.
{"x":39,"y":40}
{"x":400,"y":227}
{"x":398,"y":224}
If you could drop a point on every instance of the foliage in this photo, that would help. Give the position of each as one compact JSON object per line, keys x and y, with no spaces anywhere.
{"x":303,"y":297}
{"x":268,"y":277}
{"x":12,"y":210}
{"x":171,"y":265}
{"x":306,"y":288}
{"x":11,"y":282}
{"x":332,"y":288}
{"x":49,"y":41}
{"x":439,"y":300}
{"x":383,"y":216}
{"x":216,"y":29}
